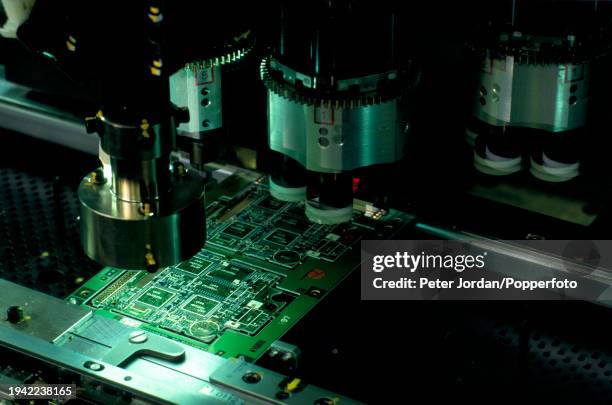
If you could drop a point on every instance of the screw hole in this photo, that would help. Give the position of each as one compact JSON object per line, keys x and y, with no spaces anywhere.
{"x":251,"y":377}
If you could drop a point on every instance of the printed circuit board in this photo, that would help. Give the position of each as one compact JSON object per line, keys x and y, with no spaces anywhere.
{"x":264,"y":266}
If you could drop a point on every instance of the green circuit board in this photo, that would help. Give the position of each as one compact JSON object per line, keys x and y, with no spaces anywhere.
{"x":264,"y":266}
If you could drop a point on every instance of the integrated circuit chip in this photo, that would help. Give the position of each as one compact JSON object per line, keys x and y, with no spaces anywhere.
{"x":213,"y":288}
{"x":238,"y":229}
{"x":231,"y":272}
{"x":155,"y":297}
{"x":195,"y":266}
{"x":271,"y":204}
{"x":281,"y":237}
{"x":292,"y":223}
{"x":200,"y":305}
{"x":138,"y":311}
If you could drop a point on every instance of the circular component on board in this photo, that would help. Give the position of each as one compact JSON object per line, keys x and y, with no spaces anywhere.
{"x":286,"y":257}
{"x":204,"y":330}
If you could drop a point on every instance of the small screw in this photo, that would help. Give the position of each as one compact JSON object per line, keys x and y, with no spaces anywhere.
{"x":146,"y":209}
{"x":93,"y":366}
{"x":150,"y":262}
{"x":282,"y":395}
{"x":97,"y":177}
{"x":251,"y":377}
{"x":138,"y":337}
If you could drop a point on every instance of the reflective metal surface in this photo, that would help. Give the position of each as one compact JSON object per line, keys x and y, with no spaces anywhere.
{"x":551,"y":97}
{"x":99,"y":337}
{"x":150,"y":367}
{"x":515,"y":259}
{"x":363,"y":83}
{"x":270,"y":387}
{"x":93,"y":347}
{"x":329,"y":139}
{"x":44,"y":316}
{"x":137,"y":236}
{"x":199,"y":89}
{"x":143,"y":387}
{"x":22,"y":114}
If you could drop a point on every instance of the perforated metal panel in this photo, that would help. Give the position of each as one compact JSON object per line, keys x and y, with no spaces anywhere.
{"x":39,"y":232}
{"x":559,"y":367}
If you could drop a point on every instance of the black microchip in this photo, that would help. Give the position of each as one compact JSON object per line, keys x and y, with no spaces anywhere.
{"x":238,"y":229}
{"x":297,"y":211}
{"x":231,"y":272}
{"x":281,"y":237}
{"x":194,"y":266}
{"x":227,"y":242}
{"x":215,"y":289}
{"x":155,"y":297}
{"x":293,"y":223}
{"x":200,"y":305}
{"x":257,"y":215}
{"x":272,"y":204}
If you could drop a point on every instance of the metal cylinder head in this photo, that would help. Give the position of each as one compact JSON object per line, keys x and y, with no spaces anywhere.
{"x":142,"y":235}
